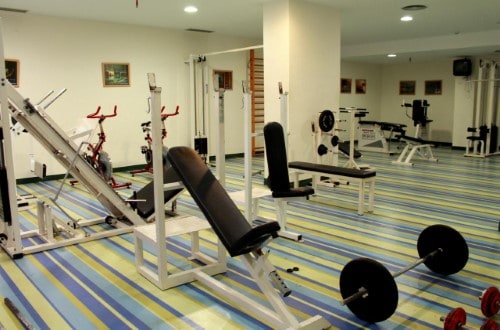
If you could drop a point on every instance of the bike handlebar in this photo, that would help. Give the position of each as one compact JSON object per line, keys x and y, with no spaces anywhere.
{"x":166,"y":115}
{"x":96,"y":114}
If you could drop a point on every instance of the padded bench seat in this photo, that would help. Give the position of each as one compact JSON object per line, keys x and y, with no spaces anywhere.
{"x":364,"y":178}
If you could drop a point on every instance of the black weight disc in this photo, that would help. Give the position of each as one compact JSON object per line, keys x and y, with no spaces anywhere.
{"x":382,"y":298}
{"x":455,"y":250}
{"x":322,"y":149}
{"x":335,"y":140}
{"x":326,"y":120}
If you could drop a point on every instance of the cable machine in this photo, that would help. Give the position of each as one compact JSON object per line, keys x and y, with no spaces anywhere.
{"x":483,"y":141}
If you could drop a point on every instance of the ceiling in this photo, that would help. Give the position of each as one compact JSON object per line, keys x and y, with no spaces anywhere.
{"x":370,"y":28}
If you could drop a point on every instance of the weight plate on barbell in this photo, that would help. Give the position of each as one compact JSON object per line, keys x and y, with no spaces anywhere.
{"x":489,"y":301}
{"x":455,"y":250}
{"x":455,"y":319}
{"x":326,"y":120}
{"x":382,"y":292}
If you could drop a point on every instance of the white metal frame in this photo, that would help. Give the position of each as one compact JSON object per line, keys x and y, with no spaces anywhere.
{"x":484,"y":114}
{"x":157,"y":234}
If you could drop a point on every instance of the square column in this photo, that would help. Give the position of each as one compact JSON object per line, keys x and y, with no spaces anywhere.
{"x":302,"y":50}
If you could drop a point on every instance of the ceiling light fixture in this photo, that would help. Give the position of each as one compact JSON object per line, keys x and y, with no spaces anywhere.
{"x":391,"y":55}
{"x":414,"y":7}
{"x":406,"y":18}
{"x":190,"y":9}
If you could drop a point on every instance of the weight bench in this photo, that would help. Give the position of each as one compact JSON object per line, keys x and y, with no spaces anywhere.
{"x":279,"y":170}
{"x":364,"y":178}
{"x":415,"y":147}
{"x":278,"y":179}
{"x":240,"y":239}
{"x":372,"y":137}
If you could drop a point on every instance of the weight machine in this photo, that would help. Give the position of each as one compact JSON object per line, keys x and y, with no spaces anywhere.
{"x":52,"y":231}
{"x":147,"y":150}
{"x":327,"y":124}
{"x":419,"y":144}
{"x":483,"y":141}
{"x":372,"y":135}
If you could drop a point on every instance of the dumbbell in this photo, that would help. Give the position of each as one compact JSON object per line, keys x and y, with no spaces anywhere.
{"x":490,"y":301}
{"x":368,"y":288}
{"x":457,"y":319}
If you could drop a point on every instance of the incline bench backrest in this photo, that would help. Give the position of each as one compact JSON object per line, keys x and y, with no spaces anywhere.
{"x":227,"y":221}
{"x":276,"y":154}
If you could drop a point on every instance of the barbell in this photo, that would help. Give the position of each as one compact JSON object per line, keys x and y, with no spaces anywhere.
{"x":369,"y":289}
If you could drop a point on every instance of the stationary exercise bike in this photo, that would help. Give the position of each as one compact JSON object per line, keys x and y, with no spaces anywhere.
{"x":97,"y":157}
{"x":147,"y":150}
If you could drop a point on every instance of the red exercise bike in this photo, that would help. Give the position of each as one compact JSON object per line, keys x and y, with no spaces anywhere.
{"x":98,"y":158}
{"x":147,"y":150}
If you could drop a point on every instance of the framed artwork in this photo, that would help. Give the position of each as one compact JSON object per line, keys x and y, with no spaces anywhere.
{"x":116,"y":74}
{"x":433,"y":87}
{"x":407,"y":87}
{"x":12,"y":71}
{"x":360,"y":86}
{"x":225,"y":79}
{"x":345,"y":85}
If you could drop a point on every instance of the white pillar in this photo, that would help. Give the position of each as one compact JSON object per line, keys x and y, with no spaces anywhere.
{"x":302,"y":50}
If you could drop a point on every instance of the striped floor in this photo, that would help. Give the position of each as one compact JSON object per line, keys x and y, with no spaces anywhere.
{"x":95,"y":285}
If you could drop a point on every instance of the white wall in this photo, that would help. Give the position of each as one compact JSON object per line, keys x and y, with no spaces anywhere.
{"x":441,"y":106}
{"x":371,"y":100}
{"x":57,"y":53}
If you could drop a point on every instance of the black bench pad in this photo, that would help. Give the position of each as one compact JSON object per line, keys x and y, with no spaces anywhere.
{"x":145,"y":209}
{"x":332,"y":170}
{"x":227,"y":221}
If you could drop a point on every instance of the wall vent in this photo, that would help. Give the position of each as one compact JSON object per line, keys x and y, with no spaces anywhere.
{"x":199,"y":30}
{"x":24,"y":11}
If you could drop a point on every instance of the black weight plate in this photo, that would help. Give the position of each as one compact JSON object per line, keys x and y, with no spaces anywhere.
{"x":455,"y":250}
{"x":326,"y":120}
{"x":335,"y":140}
{"x":322,"y":149}
{"x":382,"y":298}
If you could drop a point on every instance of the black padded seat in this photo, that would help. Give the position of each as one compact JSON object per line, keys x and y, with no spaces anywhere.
{"x":227,"y":221}
{"x":368,"y":122}
{"x":278,"y":180}
{"x":333,"y":170}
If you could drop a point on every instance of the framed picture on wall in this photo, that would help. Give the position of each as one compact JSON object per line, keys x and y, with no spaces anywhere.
{"x":116,"y":74}
{"x":345,"y":85}
{"x":433,"y":87}
{"x":360,"y":85}
{"x":407,"y":87}
{"x":225,"y":79}
{"x":12,"y":71}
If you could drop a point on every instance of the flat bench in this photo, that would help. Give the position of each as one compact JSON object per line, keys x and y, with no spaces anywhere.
{"x":415,"y":147}
{"x":364,"y":178}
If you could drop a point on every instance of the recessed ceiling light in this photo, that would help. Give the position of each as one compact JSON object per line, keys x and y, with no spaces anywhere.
{"x":190,"y":9}
{"x":406,"y":18}
{"x":391,"y":55}
{"x":414,"y":7}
